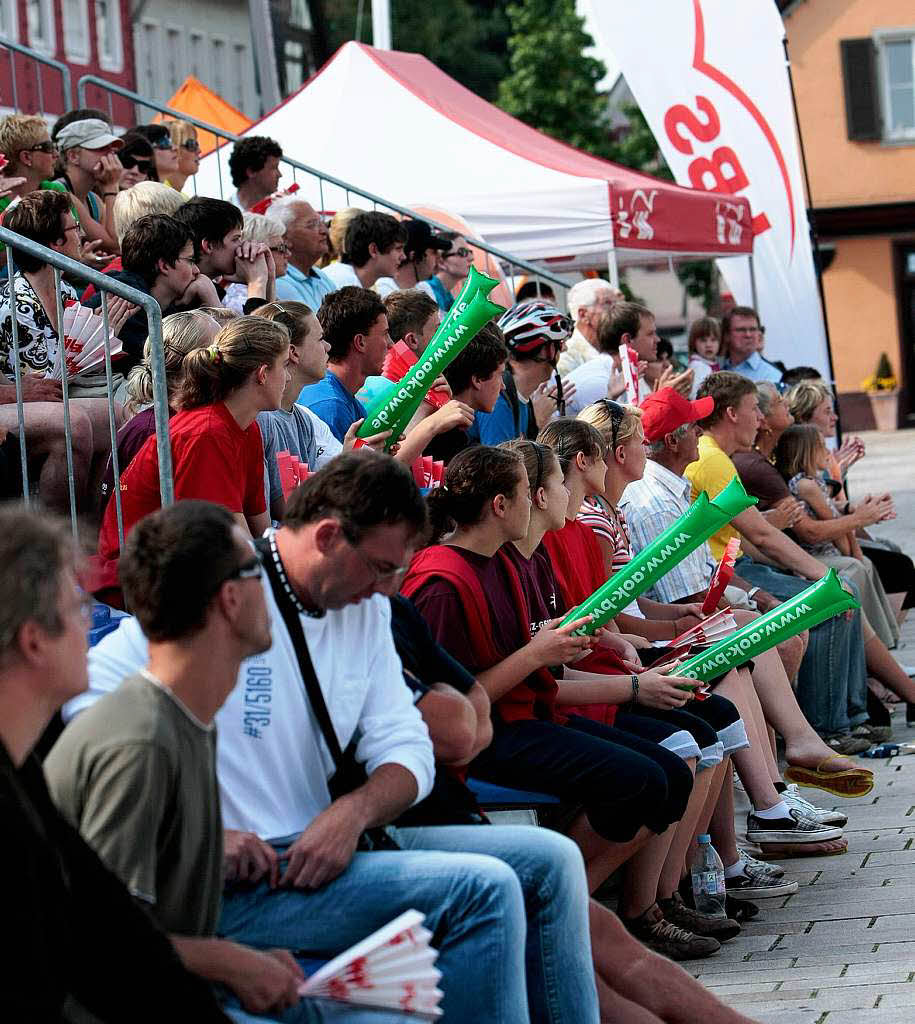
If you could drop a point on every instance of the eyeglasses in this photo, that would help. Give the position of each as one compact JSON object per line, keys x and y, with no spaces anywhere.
{"x":380,"y":572}
{"x":41,"y":147}
{"x":745,"y":330}
{"x":164,"y":142}
{"x":282,"y":250}
{"x":191,"y":145}
{"x":252,"y":570}
{"x":142,"y":165}
{"x":190,"y":260}
{"x":462,"y":252}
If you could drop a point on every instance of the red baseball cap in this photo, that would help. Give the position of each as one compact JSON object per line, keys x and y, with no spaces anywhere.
{"x":665,"y":410}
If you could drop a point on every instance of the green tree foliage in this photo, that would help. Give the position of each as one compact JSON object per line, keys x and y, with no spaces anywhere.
{"x":465,"y":38}
{"x":552,"y":85}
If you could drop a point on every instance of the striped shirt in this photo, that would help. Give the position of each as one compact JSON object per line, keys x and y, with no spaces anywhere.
{"x":610,"y":525}
{"x":652,"y":504}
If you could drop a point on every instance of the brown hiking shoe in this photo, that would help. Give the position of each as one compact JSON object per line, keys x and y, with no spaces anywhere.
{"x":668,"y":939}
{"x":678,"y":913}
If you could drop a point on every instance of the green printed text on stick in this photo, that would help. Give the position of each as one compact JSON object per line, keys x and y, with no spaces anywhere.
{"x":819,"y":602}
{"x":702,"y":519}
{"x":395,"y":407}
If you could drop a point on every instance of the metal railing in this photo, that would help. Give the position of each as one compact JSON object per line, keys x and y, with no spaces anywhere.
{"x":66,"y":84}
{"x":513,"y":263}
{"x":105,"y":285}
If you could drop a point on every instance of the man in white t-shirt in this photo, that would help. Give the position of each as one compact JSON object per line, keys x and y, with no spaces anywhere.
{"x":346,"y":540}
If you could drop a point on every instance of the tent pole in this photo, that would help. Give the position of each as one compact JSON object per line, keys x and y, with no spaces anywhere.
{"x":753,"y":282}
{"x":381,"y":24}
{"x":613,"y":271}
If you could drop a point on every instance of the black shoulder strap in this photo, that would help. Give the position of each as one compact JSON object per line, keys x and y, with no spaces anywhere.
{"x":511,"y":395}
{"x":296,"y":634}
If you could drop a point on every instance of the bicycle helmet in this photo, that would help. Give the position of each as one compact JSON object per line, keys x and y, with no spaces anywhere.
{"x":529,"y":326}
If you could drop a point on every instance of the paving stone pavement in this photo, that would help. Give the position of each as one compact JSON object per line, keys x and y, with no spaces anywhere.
{"x":842,"y":949}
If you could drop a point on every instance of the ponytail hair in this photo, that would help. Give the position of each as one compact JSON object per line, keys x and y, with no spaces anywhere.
{"x":538,"y":458}
{"x":473,"y":478}
{"x":211,"y":374}
{"x":567,"y":437}
{"x":181,"y":333}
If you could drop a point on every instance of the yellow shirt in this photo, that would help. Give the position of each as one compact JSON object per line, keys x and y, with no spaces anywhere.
{"x":712,"y":473}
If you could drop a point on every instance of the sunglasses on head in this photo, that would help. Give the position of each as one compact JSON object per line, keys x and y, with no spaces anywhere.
{"x":142,"y":164}
{"x":617,"y":415}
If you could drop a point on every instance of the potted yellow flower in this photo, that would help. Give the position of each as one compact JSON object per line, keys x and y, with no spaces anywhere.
{"x":883,"y":393}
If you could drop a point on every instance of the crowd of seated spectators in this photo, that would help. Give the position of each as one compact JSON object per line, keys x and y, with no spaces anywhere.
{"x":369,"y":649}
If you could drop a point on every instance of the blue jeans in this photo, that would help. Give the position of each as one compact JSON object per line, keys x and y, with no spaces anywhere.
{"x":832,"y":680}
{"x":319,"y":1011}
{"x":474,"y":899}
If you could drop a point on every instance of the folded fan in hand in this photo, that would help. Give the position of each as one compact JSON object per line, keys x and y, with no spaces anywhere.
{"x":292,"y":471}
{"x":428,"y":472}
{"x":398,"y":360}
{"x":83,"y":347}
{"x":723,"y":576}
{"x":393,"y":968}
{"x":710,"y":630}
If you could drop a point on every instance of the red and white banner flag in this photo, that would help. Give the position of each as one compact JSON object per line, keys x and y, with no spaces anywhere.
{"x":710,"y":78}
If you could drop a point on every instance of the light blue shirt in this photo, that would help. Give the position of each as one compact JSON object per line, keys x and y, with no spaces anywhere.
{"x":756,"y":369}
{"x":309,"y":288}
{"x":330,"y":400}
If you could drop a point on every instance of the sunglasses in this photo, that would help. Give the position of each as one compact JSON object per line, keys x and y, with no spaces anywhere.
{"x":164,"y":142}
{"x":191,"y":145}
{"x":42,"y":147}
{"x":252,"y":570}
{"x":463,"y":252}
{"x":617,"y":415}
{"x":142,"y":164}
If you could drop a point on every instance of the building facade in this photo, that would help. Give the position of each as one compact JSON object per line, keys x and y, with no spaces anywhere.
{"x":853,"y":64}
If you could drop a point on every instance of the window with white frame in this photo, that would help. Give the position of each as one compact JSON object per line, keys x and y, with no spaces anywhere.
{"x":77,"y":45}
{"x":897,"y":65}
{"x":9,"y":19}
{"x":39,"y":16}
{"x":108,"y":34}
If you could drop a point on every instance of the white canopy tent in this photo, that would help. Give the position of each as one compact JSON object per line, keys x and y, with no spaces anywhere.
{"x":395,"y":125}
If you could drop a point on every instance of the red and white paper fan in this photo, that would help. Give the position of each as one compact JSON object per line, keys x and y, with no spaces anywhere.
{"x":83,"y":347}
{"x":722,"y":577}
{"x":398,"y":361}
{"x":393,"y":968}
{"x":292,"y":471}
{"x":630,"y":365}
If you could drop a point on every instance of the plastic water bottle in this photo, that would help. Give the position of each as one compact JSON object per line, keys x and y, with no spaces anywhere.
{"x":707,"y":873}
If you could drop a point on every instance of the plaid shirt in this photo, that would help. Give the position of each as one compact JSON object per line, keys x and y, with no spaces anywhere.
{"x":651,"y":505}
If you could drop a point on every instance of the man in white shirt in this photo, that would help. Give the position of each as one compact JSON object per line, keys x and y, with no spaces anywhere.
{"x":301,"y":882}
{"x":373,"y":247}
{"x":588,"y":301}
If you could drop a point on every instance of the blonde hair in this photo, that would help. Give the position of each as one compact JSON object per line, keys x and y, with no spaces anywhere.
{"x":19,"y":132}
{"x":292,"y":315}
{"x":180,"y":131}
{"x":600,"y":415}
{"x":797,"y":449}
{"x":261,"y":228}
{"x":804,"y":398}
{"x":221,"y":314}
{"x":211,"y":374}
{"x":181,"y":333}
{"x":336,"y":232}
{"x":142,"y":199}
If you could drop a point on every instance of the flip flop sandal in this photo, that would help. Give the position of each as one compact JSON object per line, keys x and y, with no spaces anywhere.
{"x":788,"y":851}
{"x":851,"y":783}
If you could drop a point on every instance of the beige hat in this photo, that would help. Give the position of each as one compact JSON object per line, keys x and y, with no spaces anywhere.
{"x":92,"y":133}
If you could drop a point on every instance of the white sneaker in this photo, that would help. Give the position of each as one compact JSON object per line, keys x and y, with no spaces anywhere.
{"x":760,"y":867}
{"x":797,"y":827}
{"x":823,"y":815}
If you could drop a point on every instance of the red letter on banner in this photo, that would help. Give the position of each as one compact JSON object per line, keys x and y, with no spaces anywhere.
{"x":723,"y":158}
{"x":681,"y":115}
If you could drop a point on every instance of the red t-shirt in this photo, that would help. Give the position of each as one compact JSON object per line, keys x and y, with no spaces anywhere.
{"x":213,"y":459}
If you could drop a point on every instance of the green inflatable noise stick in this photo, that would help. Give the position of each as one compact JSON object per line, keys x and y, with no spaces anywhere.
{"x":819,"y":602}
{"x":395,"y":407}
{"x":694,"y":527}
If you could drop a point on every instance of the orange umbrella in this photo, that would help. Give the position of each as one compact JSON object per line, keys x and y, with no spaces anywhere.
{"x":195,"y":99}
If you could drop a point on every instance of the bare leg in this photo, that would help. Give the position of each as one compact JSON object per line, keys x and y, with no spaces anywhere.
{"x":616,"y":1009}
{"x":884,"y":667}
{"x":651,"y":981}
{"x":601,"y":856}
{"x":721,"y":827}
{"x":44,"y":439}
{"x":687,"y":829}
{"x":792,"y":654}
